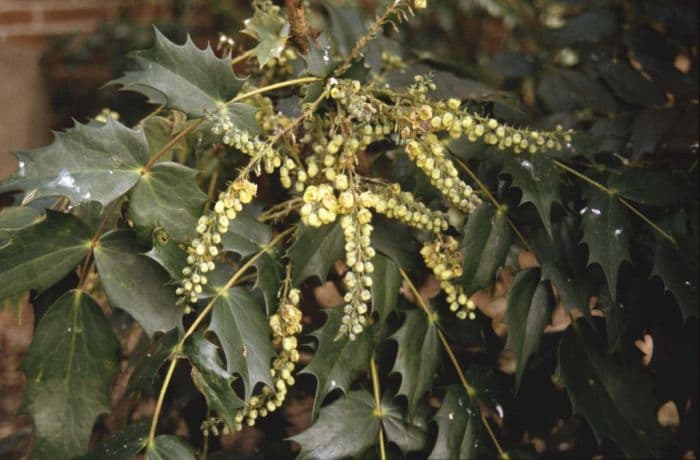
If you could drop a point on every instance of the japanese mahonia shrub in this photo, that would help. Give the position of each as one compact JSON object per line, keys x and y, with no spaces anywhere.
{"x":125,"y":206}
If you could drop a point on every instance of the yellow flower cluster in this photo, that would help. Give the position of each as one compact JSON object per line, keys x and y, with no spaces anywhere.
{"x":396,"y":204}
{"x":285,"y":326}
{"x":320,"y":205}
{"x":442,"y":173}
{"x":205,"y":247}
{"x":443,"y":257}
{"x":357,"y":230}
{"x":281,"y":67}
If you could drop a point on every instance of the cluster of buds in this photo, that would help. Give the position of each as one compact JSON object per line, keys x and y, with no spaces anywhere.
{"x":443,"y":257}
{"x":421,"y":87}
{"x":391,"y":62}
{"x":446,"y":116}
{"x":357,"y":230}
{"x":320,"y":205}
{"x":443,"y":175}
{"x":285,"y":326}
{"x":205,"y":247}
{"x":396,"y":204}
{"x":280,"y":67}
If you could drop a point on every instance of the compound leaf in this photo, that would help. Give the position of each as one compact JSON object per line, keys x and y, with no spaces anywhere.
{"x":246,"y":235}
{"x":40,"y":255}
{"x":345,"y":428}
{"x":168,"y":447}
{"x":679,"y":275}
{"x":123,"y":445}
{"x":459,"y":427}
{"x":386,"y":281}
{"x":337,"y":362}
{"x":135,"y":283}
{"x":417,"y":356}
{"x":69,"y":368}
{"x":271,"y":31}
{"x":240,"y":325}
{"x":168,"y":197}
{"x":606,"y":232}
{"x":616,"y":398}
{"x":538,"y":179}
{"x":87,"y":162}
{"x":268,"y":279}
{"x":486,"y":241}
{"x":315,"y":250}
{"x":18,"y":217}
{"x":212,"y":380}
{"x":407,"y":432}
{"x":528,"y":311}
{"x":184,"y":77}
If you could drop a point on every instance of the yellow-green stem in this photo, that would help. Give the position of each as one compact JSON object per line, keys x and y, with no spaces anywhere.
{"x":378,"y":405}
{"x":468,"y":388}
{"x":297,"y":81}
{"x":274,"y":86}
{"x":242,"y":57}
{"x":175,"y":353}
{"x":493,"y":200}
{"x":624,"y":202}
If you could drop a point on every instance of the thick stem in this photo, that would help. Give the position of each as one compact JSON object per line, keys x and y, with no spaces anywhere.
{"x":299,"y":32}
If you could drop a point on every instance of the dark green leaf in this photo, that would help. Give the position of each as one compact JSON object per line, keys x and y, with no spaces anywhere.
{"x":346,"y":27}
{"x":345,"y":428}
{"x":239,"y":323}
{"x":84,"y":163}
{"x":69,"y":368}
{"x":271,"y":31}
{"x":615,"y":398}
{"x":529,"y":307}
{"x":211,"y":378}
{"x":571,"y":284}
{"x":167,"y":253}
{"x":485,"y":245}
{"x":417,"y":356}
{"x":187,"y":78}
{"x":395,"y":241}
{"x":565,"y":90}
{"x":630,"y":85}
{"x":18,"y":217}
{"x":147,"y":365}
{"x":459,"y":427}
{"x":160,"y":130}
{"x":168,"y":447}
{"x":167,"y":197}
{"x":246,"y":235}
{"x":386,"y":281}
{"x":656,"y":188}
{"x":40,"y":255}
{"x":649,"y":128}
{"x":320,"y":63}
{"x":124,"y":445}
{"x":269,"y":274}
{"x":407,"y":432}
{"x":135,"y":283}
{"x":589,"y":27}
{"x":315,"y":250}
{"x":336,"y":363}
{"x":538,"y":179}
{"x":679,"y":274}
{"x":606,"y":232}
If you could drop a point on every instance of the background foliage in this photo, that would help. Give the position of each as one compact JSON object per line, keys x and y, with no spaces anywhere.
{"x":582,"y":263}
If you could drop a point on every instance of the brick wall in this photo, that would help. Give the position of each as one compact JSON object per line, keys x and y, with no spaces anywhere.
{"x":32,"y":21}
